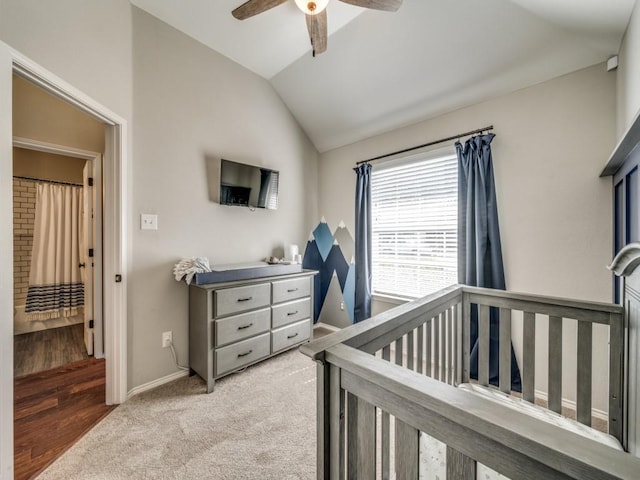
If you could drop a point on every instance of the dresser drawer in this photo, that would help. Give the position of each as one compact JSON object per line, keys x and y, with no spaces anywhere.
{"x":244,"y":325}
{"x":290,"y":312}
{"x":237,"y":355}
{"x":285,"y":290}
{"x":241,"y":299}
{"x":290,"y":335}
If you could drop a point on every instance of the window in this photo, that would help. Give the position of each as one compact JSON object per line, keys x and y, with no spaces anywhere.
{"x":415,"y":225}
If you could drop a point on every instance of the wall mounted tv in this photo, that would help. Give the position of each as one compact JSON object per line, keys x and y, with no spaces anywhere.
{"x":248,"y":186}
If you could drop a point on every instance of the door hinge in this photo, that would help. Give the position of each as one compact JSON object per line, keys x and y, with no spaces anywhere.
{"x":90,"y":180}
{"x":90,"y":323}
{"x":91,"y":253}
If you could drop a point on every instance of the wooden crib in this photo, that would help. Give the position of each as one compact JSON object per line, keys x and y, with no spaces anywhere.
{"x":384,"y":381}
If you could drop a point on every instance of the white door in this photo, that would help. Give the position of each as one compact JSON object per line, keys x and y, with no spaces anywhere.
{"x":87,"y":259}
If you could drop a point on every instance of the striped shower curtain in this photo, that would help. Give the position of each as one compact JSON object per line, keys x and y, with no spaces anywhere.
{"x":55,"y":282}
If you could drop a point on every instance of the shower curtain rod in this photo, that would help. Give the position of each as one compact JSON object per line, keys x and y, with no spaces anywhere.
{"x":442,"y":140}
{"x":49,"y":181}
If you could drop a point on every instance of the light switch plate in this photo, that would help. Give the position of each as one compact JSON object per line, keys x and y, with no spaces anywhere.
{"x":148,"y":221}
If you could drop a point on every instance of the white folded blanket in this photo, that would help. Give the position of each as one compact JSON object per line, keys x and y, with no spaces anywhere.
{"x":188,"y":267}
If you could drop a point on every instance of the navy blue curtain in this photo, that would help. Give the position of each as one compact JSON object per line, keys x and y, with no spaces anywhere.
{"x":362,"y":306}
{"x":479,"y":249}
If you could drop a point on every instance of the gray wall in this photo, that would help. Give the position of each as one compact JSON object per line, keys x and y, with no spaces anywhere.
{"x":629,"y":74}
{"x":192,"y":106}
{"x":555,"y":212}
{"x":87,"y":43}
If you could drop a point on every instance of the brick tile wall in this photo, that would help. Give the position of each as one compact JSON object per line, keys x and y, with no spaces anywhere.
{"x":24,"y":209}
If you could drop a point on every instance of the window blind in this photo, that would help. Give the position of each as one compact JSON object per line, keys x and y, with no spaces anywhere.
{"x":414,"y":227}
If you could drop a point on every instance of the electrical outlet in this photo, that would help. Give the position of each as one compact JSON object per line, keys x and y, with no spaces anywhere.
{"x":341,"y":305}
{"x":167,"y":339}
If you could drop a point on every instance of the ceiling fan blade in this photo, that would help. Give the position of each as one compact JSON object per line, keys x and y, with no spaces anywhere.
{"x":386,"y":5}
{"x":254,"y":7}
{"x":317,"y":26}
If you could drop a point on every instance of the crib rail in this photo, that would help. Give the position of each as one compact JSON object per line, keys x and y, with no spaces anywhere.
{"x":473,"y":429}
{"x":429,"y":337}
{"x":556,"y":311}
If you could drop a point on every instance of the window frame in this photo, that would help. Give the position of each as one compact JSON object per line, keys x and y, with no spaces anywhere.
{"x":416,"y":158}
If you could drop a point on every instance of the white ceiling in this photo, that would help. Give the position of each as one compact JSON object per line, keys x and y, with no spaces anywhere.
{"x":385,"y":70}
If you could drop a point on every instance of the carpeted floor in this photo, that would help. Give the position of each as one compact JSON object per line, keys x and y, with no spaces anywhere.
{"x":258,"y":424}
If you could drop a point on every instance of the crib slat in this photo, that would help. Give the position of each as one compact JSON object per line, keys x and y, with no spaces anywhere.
{"x":466,"y":337}
{"x":420,"y":347}
{"x":386,"y":430}
{"x":555,"y":364}
{"x":399,"y":343}
{"x":459,"y":466}
{"x":505,"y":350}
{"x":529,"y":357}
{"x":457,"y":342}
{"x":483,"y":345}
{"x":410,"y":350}
{"x":583,"y":400}
{"x":365,"y":446}
{"x":407,"y":450}
{"x":428,"y":351}
{"x":436,"y":347}
{"x":449,"y":346}
{"x":336,"y":426}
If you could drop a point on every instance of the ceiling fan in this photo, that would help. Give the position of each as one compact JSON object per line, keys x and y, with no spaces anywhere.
{"x":315,"y":11}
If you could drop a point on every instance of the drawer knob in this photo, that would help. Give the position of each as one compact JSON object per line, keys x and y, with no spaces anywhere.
{"x":246,"y":299}
{"x":245,"y":326}
{"x":291,"y":290}
{"x":289,"y":337}
{"x":292,"y":313}
{"x":245,"y":354}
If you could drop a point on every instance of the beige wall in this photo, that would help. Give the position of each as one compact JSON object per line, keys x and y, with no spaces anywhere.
{"x":37,"y":115}
{"x":555,"y":212}
{"x":193,"y":106}
{"x":47,"y":166}
{"x":628,"y":103}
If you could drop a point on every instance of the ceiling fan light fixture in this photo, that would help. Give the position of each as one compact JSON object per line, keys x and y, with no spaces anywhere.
{"x":312,"y":7}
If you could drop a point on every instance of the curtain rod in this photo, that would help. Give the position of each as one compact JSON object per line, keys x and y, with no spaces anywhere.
{"x":442,"y":140}
{"x":48,"y":181}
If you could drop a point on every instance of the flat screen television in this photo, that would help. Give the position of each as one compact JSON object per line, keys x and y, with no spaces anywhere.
{"x":248,"y":186}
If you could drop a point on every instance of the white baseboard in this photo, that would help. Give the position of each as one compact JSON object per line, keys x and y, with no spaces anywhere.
{"x":571,"y":405}
{"x":327,"y":326}
{"x":156,"y":383}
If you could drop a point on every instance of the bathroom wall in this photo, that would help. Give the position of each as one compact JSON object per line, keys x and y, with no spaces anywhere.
{"x":24,"y":207}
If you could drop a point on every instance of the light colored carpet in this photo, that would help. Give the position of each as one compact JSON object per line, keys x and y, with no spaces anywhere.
{"x":258,"y":424}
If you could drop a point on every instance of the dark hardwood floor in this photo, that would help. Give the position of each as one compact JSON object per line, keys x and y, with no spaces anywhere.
{"x":53,"y":409}
{"x":46,"y":349}
{"x":59,"y":394}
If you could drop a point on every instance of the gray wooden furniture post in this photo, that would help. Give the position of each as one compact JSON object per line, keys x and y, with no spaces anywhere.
{"x":627,"y":334}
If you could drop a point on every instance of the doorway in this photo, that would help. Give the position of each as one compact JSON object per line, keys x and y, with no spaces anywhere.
{"x":55,"y":325}
{"x":115,"y":208}
{"x":57,"y":234}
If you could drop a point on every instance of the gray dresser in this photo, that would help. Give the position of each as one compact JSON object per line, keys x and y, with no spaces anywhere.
{"x":236,"y":324}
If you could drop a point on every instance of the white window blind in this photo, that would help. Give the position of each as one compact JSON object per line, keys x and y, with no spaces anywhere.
{"x":414,"y":226}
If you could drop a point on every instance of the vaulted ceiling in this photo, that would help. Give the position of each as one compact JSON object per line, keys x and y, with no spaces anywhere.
{"x":385,"y":70}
